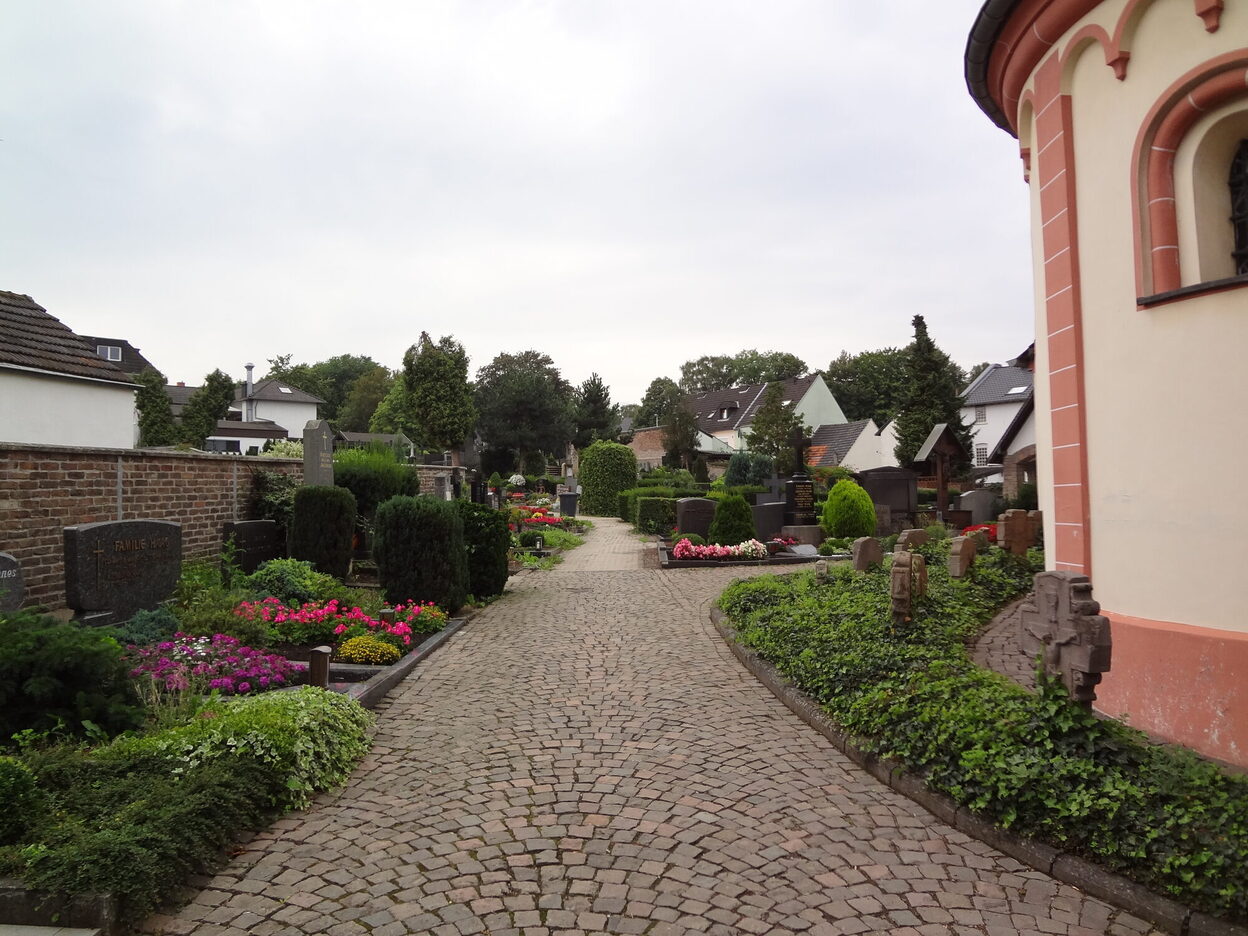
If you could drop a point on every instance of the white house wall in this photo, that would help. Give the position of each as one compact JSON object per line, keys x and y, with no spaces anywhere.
{"x":818,"y":407}
{"x":998,"y":416}
{"x":873,"y":449}
{"x":290,"y":416}
{"x":48,"y":410}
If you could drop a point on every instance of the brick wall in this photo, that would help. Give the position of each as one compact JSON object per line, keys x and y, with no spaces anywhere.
{"x":45,"y":488}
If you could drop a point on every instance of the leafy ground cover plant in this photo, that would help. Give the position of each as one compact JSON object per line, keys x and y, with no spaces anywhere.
{"x":1034,"y":763}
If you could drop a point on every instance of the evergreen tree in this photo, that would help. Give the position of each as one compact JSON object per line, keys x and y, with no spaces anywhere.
{"x":596,"y":418}
{"x":772,"y":429}
{"x":525,"y":405}
{"x":207,"y":405}
{"x":933,"y":394}
{"x":156,"y":425}
{"x":441,"y":397}
{"x":680,"y":428}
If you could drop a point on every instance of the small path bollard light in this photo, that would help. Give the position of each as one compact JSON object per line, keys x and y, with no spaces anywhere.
{"x":318,"y":667}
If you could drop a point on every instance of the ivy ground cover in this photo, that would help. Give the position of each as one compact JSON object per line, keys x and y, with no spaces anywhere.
{"x":1033,"y":763}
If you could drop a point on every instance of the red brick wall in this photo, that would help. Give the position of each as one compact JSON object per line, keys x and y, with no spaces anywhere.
{"x":45,"y":488}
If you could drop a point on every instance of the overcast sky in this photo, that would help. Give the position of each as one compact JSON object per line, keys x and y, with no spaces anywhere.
{"x":623,"y":185}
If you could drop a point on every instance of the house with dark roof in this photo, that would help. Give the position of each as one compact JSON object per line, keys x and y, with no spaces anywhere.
{"x":860,"y":446}
{"x":990,"y":405}
{"x":55,"y":389}
{"x":727,"y":415}
{"x":276,"y":401}
{"x":121,"y":353}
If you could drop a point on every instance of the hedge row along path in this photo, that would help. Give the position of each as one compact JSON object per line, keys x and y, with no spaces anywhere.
{"x":588,"y":757}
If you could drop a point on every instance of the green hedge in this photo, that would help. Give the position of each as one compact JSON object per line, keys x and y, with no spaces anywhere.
{"x":487,"y":539}
{"x":626,"y":501}
{"x":321,"y":527}
{"x":1034,"y":763}
{"x":418,"y":545}
{"x":656,"y":515}
{"x":374,"y":475}
{"x":606,"y":469}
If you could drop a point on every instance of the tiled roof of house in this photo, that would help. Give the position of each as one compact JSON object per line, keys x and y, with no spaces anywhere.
{"x":34,"y":339}
{"x":132,"y":362}
{"x":271,"y":389}
{"x":830,"y":444}
{"x":999,"y":383}
{"x":741,"y":403}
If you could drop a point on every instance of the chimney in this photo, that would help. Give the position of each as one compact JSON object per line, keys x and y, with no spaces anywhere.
{"x":249,"y":406}
{"x":181,"y":383}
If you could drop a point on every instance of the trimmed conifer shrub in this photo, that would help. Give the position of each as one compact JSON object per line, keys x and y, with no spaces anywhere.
{"x":733,"y":522}
{"x":418,"y":545}
{"x":322,"y":524}
{"x":487,"y":540}
{"x":606,"y":469}
{"x":848,"y":511}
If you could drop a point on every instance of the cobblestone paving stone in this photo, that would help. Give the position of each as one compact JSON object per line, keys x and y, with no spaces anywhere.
{"x":1000,"y":648}
{"x":587,"y":757}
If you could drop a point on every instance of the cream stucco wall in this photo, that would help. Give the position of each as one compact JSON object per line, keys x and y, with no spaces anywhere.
{"x":1164,"y":385}
{"x":873,"y":448}
{"x":48,"y":410}
{"x":818,"y":407}
{"x":292,"y":417}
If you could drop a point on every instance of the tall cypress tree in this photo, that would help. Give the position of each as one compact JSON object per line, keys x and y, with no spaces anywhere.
{"x":156,"y":425}
{"x":932,"y":395}
{"x":596,"y":418}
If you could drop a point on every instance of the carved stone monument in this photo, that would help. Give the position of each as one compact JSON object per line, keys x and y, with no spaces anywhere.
{"x":12,"y":585}
{"x":115,"y":568}
{"x":962,"y":551}
{"x":318,"y":453}
{"x":1014,"y":532}
{"x":909,"y":583}
{"x":694,"y":515}
{"x":255,"y":542}
{"x":1063,"y":624}
{"x":911,"y":538}
{"x":867,"y":552}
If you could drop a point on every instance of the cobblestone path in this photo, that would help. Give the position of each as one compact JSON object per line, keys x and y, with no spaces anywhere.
{"x":588,"y":757}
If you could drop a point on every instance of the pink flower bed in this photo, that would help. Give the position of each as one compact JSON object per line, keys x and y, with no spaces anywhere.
{"x":217,"y":662}
{"x":751,"y":549}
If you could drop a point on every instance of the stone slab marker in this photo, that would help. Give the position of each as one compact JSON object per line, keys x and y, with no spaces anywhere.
{"x":911,"y":538}
{"x":318,"y":453}
{"x":1014,"y":532}
{"x":255,"y":542}
{"x":768,"y":519}
{"x":961,"y":556}
{"x":909,"y":583}
{"x":694,"y":515}
{"x":1064,"y":625}
{"x":115,"y":568}
{"x":12,"y":584}
{"x":867,"y":552}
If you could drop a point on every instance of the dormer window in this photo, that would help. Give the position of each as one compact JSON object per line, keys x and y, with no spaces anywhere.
{"x":1239,"y":207}
{"x":108,"y":352}
{"x":726,"y":411}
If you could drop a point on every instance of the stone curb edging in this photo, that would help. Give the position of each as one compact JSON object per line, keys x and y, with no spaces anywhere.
{"x":1091,"y":878}
{"x":369,"y":693}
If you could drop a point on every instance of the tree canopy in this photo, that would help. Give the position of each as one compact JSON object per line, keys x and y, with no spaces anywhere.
{"x":650,"y":412}
{"x":441,"y":397}
{"x":366,"y":395}
{"x":595,"y":417}
{"x":718,"y":372}
{"x":869,"y":385}
{"x":207,"y":405}
{"x":331,"y":379}
{"x":680,"y":429}
{"x":524,"y":404}
{"x":772,"y":429}
{"x":156,"y":425}
{"x":933,"y":394}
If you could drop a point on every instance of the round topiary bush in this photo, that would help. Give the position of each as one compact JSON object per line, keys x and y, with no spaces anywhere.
{"x":848,"y":511}
{"x":369,"y":651}
{"x":322,"y":525}
{"x":733,"y":523}
{"x":606,"y":469}
{"x":418,"y":545}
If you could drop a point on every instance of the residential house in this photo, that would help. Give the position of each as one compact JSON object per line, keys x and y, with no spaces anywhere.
{"x":121,"y":353}
{"x":859,"y":446}
{"x":727,"y":415}
{"x":990,"y":404}
{"x":276,"y":401}
{"x":1132,"y":123}
{"x":55,"y":389}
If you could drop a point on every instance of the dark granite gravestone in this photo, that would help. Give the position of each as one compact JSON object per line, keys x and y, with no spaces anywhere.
{"x":799,"y":502}
{"x":12,"y":585}
{"x":694,"y":515}
{"x":318,"y":453}
{"x":896,"y":488}
{"x":768,"y":520}
{"x":255,"y":542}
{"x":115,"y":568}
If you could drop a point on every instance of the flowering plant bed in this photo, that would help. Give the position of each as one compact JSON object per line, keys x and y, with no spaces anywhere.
{"x":209,"y":663}
{"x":752,"y":552}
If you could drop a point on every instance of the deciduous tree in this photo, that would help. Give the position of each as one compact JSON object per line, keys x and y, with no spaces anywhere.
{"x":869,"y":385}
{"x":650,"y":413}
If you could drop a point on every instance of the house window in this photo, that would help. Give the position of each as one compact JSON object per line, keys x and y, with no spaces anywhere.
{"x":981,"y":415}
{"x":108,"y":352}
{"x":1239,"y":207}
{"x":981,"y":456}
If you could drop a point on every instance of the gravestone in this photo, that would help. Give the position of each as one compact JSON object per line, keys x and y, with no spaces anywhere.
{"x":896,"y":488}
{"x":12,"y":585}
{"x":883,"y":520}
{"x":117,"y":567}
{"x":318,"y":453}
{"x":821,"y":571}
{"x":799,"y":502}
{"x":1064,"y":626}
{"x":980,"y":503}
{"x":255,"y":542}
{"x":694,"y":515}
{"x":867,"y":552}
{"x":1036,"y":519}
{"x":908,"y":584}
{"x":804,"y":550}
{"x":961,"y":556}
{"x":1014,"y":532}
{"x":768,"y":520}
{"x":911,"y":538}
